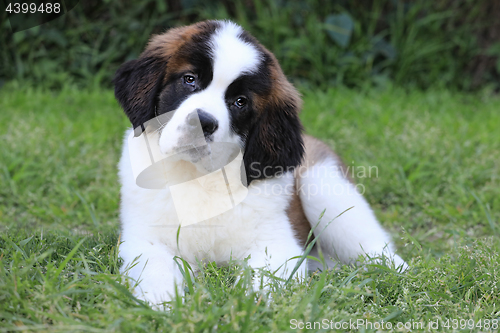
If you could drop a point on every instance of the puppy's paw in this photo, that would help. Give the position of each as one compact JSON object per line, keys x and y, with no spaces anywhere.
{"x":157,"y":294}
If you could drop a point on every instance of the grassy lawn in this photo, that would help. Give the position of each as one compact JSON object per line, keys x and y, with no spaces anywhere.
{"x":437,"y":189}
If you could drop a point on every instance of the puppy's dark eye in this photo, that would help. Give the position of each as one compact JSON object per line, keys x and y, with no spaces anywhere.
{"x":189,"y":79}
{"x":241,"y":101}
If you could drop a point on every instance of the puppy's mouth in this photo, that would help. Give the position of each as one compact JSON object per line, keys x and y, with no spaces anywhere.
{"x":163,"y":155}
{"x":192,"y":147}
{"x":194,"y":139}
{"x":207,"y":157}
{"x":155,"y":169}
{"x":193,"y":153}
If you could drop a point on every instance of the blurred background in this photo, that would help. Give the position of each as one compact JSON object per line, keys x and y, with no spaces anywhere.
{"x":417,"y":44}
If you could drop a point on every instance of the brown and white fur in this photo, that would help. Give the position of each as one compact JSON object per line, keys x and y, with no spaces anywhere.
{"x":218,"y":71}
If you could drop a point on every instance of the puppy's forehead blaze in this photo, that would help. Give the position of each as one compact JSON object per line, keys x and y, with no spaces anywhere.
{"x":232,"y":56}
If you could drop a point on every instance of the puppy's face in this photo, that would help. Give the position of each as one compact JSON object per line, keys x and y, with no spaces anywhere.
{"x":213,"y":83}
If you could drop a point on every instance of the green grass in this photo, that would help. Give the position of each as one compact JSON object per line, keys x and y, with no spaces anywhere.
{"x":437,"y":191}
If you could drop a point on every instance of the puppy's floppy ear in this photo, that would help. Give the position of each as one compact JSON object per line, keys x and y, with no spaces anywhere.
{"x":274,"y":143}
{"x":137,"y":85}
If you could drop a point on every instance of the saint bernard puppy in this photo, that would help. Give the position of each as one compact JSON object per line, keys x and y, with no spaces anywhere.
{"x":216,"y":167}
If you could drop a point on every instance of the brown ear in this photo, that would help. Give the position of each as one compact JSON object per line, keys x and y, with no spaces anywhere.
{"x":274,"y":143}
{"x":137,"y":85}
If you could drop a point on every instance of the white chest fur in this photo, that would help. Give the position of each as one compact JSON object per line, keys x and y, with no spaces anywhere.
{"x":150,"y":216}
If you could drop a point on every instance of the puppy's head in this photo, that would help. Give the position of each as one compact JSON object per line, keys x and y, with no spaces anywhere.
{"x":214,"y":77}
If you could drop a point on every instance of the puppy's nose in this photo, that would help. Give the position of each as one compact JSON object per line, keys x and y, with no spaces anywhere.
{"x":208,"y":122}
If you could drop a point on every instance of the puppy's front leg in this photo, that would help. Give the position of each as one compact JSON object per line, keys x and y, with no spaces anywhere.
{"x":154,"y":270}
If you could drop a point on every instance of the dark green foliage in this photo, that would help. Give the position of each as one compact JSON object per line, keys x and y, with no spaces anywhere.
{"x":419,"y":43}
